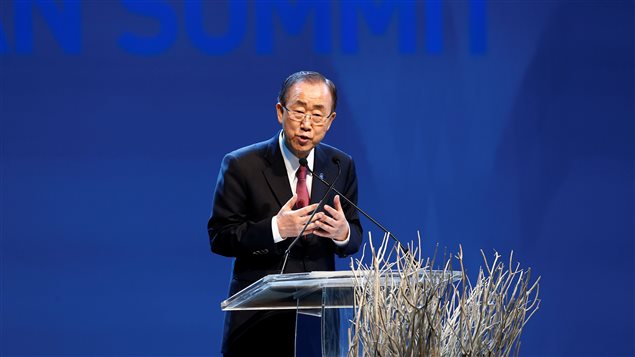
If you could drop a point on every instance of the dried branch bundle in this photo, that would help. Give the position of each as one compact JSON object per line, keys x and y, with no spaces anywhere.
{"x":405,"y":308}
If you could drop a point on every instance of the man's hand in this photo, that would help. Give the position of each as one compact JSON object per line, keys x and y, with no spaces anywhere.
{"x":335,"y":226}
{"x":290,"y":222}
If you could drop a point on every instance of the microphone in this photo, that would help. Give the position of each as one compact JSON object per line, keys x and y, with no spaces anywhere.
{"x":337,"y":162}
{"x":303,"y":162}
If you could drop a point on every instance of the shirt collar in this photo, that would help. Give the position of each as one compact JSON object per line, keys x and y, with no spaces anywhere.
{"x":291,"y":162}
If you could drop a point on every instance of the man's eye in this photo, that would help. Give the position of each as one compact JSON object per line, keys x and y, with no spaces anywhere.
{"x":317,"y":115}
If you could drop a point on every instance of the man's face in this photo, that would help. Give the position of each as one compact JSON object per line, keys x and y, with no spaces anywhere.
{"x":311,"y":98}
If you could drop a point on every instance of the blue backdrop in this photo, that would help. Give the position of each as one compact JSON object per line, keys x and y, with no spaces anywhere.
{"x":498,"y":125}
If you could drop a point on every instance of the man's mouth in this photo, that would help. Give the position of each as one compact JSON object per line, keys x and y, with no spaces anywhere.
{"x":303,"y":140}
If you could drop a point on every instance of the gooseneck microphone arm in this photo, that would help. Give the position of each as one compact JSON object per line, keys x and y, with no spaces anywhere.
{"x":304,"y":163}
{"x":337,"y":161}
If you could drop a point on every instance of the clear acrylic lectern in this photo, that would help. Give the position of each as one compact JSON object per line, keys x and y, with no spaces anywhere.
{"x":328,"y":294}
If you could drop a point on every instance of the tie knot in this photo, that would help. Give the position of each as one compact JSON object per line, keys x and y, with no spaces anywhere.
{"x":301,"y":173}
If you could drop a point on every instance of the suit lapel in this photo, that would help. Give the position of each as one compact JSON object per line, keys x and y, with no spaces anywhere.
{"x":276,"y":172}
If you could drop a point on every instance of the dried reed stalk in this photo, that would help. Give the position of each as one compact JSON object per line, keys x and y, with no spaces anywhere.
{"x":405,"y":308}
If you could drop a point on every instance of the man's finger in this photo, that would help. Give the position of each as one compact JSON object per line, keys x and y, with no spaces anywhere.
{"x":307,"y":210}
{"x":332,"y":211}
{"x":310,"y":228}
{"x":325,"y":226}
{"x":328,"y":221}
{"x":319,"y":216}
{"x":322,"y":232}
{"x":337,"y":203}
{"x":291,"y":202}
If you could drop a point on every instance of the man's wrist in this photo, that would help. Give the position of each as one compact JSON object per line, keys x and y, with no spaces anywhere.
{"x":275,"y":231}
{"x":341,"y":243}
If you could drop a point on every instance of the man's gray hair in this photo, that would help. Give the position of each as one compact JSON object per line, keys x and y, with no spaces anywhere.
{"x":310,"y":77}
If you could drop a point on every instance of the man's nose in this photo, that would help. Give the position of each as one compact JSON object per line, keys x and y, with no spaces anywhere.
{"x":305,"y":124}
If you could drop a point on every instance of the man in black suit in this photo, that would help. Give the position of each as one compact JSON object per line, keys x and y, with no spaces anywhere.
{"x":264,"y":198}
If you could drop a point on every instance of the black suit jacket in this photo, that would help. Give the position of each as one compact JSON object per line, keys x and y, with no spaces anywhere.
{"x":252,"y":186}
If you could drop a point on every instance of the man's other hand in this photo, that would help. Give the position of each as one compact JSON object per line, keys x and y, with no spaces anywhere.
{"x":335,"y":226}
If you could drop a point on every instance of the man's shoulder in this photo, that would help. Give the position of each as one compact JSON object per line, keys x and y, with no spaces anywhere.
{"x":256,"y":150}
{"x":332,"y":151}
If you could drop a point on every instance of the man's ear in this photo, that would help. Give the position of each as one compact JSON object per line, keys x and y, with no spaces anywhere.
{"x":328,"y":126}
{"x":279,"y":112}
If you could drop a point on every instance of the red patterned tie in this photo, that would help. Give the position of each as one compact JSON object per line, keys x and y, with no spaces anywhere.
{"x":301,"y":189}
